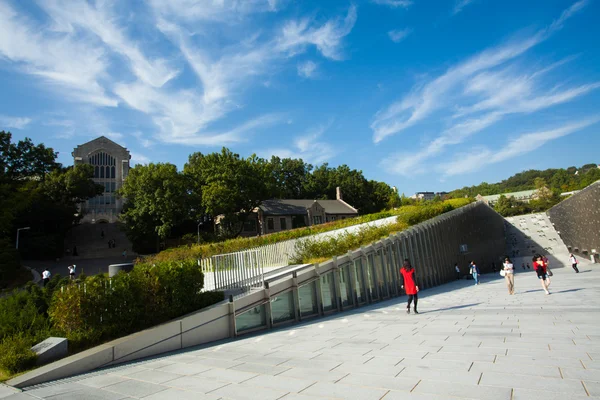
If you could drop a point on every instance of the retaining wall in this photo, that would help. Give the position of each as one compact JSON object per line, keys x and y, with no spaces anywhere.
{"x":577,"y":220}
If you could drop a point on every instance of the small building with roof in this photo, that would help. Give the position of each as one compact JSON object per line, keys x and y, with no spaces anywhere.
{"x":523,"y":195}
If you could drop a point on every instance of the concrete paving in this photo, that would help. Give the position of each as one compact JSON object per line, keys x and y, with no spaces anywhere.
{"x":468,"y":342}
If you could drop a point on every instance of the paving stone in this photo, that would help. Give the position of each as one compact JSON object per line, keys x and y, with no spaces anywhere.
{"x":570,"y":386}
{"x":593,"y":388}
{"x":260,"y":369}
{"x":52,"y":390}
{"x":311,"y":374}
{"x":463,"y":390}
{"x":134,"y":388}
{"x":197,"y":383}
{"x":227,"y":375}
{"x":88,"y":393}
{"x":185,"y":369}
{"x":518,"y":369}
{"x":101,"y":381}
{"x":341,"y":391}
{"x":178,"y":394}
{"x":243,"y":392}
{"x":153,"y":376}
{"x":527,"y":394}
{"x":583,"y":374}
{"x":280,"y":383}
{"x":443,"y":375}
{"x":381,"y":382}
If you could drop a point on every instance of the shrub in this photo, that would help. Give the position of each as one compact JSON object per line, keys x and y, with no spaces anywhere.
{"x":16,"y":354}
{"x":10,"y":263}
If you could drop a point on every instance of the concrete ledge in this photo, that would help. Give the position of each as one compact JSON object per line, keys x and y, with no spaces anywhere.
{"x":201,"y":327}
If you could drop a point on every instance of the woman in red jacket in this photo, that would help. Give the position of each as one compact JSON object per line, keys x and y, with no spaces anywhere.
{"x":409,"y":284}
{"x":541,"y":269}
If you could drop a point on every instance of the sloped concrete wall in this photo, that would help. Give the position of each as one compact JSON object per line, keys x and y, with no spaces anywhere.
{"x":577,"y":220}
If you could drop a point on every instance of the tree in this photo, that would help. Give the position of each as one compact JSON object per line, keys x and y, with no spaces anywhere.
{"x":289,"y":177}
{"x":157,"y":199}
{"x":232,"y":187}
{"x":24,"y":160}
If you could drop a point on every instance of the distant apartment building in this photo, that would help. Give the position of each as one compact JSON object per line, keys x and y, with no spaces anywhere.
{"x":278,"y":215}
{"x":423,"y":196}
{"x":111,"y":167}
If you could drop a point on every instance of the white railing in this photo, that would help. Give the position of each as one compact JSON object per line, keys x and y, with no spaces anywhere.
{"x":245,"y":269}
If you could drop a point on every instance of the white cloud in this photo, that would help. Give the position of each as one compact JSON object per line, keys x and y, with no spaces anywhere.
{"x":116,"y":136}
{"x":213,"y":10}
{"x":7,"y":122}
{"x":393,"y":3}
{"x":398,"y":35}
{"x":75,"y":66}
{"x":474,"y":159}
{"x":139,"y":159}
{"x":308,"y":146}
{"x":432,"y":96}
{"x":298,"y":34}
{"x":99,"y":20}
{"x":142,"y":140}
{"x":459,"y":5}
{"x":307,"y":69}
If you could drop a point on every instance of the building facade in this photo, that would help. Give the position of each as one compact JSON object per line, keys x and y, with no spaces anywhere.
{"x":111,"y":167}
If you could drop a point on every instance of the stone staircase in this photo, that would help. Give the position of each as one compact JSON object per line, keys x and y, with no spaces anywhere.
{"x":530,"y":234}
{"x":90,"y":243}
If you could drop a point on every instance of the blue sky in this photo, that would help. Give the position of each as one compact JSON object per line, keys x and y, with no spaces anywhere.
{"x":424,"y":95}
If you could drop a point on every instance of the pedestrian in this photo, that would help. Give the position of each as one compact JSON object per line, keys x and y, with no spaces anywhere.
{"x":541,"y":270}
{"x":574,"y":262}
{"x":72,"y":271}
{"x":528,"y":267}
{"x":475,"y":272}
{"x":409,"y":284}
{"x":46,"y":276}
{"x":457,"y":270}
{"x":125,"y":253}
{"x":523,"y":265}
{"x":509,"y":276}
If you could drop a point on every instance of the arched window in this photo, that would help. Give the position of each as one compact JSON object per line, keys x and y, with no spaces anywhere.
{"x":101,"y":172}
{"x":96,"y":172}
{"x":107,"y":171}
{"x":112,"y":172}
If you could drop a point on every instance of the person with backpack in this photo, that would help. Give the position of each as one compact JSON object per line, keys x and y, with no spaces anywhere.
{"x":574,"y":262}
{"x":475,"y":272}
{"x":541,"y":269}
{"x":408,"y":281}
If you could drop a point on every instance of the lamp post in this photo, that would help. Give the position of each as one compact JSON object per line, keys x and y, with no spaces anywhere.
{"x":19,"y":231}
{"x":199,"y":223}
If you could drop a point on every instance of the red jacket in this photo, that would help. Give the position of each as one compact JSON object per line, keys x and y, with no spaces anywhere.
{"x":540,"y":264}
{"x":409,"y":281}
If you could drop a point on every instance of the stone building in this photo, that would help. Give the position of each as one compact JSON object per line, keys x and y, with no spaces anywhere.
{"x":111,"y":167}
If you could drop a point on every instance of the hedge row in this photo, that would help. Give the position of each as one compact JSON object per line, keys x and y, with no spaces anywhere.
{"x":95,"y":309}
{"x":195,"y":252}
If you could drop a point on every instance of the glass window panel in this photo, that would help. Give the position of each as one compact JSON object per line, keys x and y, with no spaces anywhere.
{"x":371,"y":277}
{"x":358,"y":279}
{"x":113,"y":185}
{"x":253,"y":318}
{"x":101,"y":172}
{"x":283,"y":224}
{"x":308,"y":299}
{"x":345,"y":288}
{"x":112,"y":172}
{"x":96,"y":172}
{"x":328,"y":292}
{"x":108,"y":172}
{"x":282,"y":307}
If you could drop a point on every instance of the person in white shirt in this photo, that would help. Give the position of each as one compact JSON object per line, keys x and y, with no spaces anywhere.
{"x":573,"y":262}
{"x":457,"y":271}
{"x":46,"y":276}
{"x":509,"y":275}
{"x":72,"y":271}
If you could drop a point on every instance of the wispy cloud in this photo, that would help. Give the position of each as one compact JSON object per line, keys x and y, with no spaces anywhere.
{"x":139,"y":159}
{"x":74,"y":65}
{"x":213,"y":10}
{"x":142,"y":140}
{"x":432,"y":96}
{"x":309,"y":146}
{"x":398,"y":35}
{"x":8,"y":122}
{"x":307,"y":69}
{"x":479,"y":157}
{"x":459,"y":5}
{"x":393,"y":3}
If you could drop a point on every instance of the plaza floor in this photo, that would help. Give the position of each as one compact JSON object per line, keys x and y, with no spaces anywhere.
{"x":468,"y":342}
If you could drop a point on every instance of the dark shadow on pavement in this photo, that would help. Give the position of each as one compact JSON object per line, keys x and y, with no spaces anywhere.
{"x":567,"y":291}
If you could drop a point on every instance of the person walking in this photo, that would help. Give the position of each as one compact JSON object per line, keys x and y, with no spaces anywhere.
{"x":541,"y":269}
{"x":523,"y":265}
{"x":475,"y":272}
{"x":574,"y":262}
{"x":457,"y":270}
{"x":46,"y":276}
{"x":509,"y":275}
{"x":409,"y":284}
{"x":72,"y":271}
{"x":102,"y":234}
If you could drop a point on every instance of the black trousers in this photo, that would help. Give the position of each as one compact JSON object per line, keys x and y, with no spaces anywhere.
{"x":575,"y":268}
{"x":410,"y":299}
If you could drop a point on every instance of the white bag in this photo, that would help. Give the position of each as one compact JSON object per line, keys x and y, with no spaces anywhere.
{"x":502,"y":273}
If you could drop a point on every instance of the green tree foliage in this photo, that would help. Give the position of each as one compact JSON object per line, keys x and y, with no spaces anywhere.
{"x":290,"y":177}
{"x":556,"y":180}
{"x":157,"y":200}
{"x":36,"y":192}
